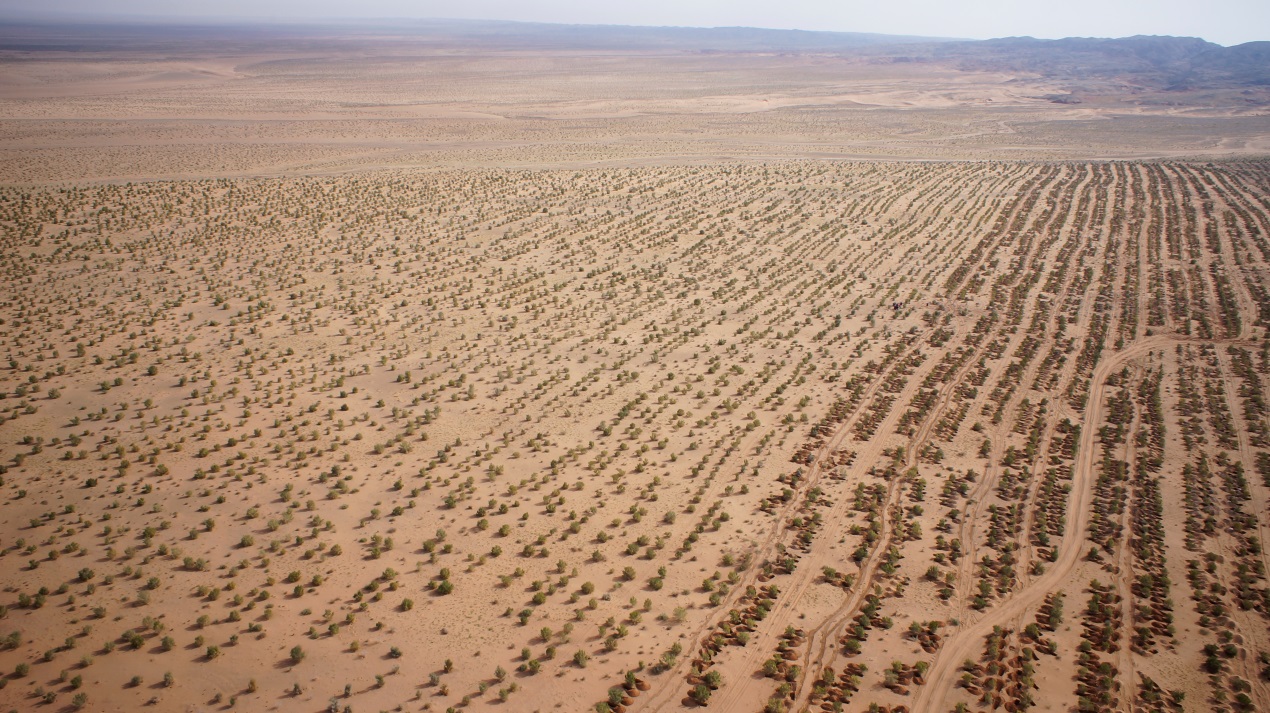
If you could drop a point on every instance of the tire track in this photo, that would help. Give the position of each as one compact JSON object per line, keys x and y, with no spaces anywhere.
{"x":826,"y":634}
{"x":942,"y":674}
{"x":815,"y":470}
{"x":804,"y":577}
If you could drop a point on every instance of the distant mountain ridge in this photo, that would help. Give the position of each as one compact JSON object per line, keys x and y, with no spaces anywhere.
{"x":662,"y":37}
{"x":1164,"y":62}
{"x":1155,"y":62}
{"x":79,"y":33}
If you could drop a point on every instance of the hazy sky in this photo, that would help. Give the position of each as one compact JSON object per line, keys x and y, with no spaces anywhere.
{"x":1222,"y":21}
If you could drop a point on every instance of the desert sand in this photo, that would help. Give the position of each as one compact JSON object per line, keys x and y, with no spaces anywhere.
{"x":384,"y":377}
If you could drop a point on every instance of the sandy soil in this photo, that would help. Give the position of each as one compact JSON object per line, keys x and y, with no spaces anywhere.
{"x":521,"y":381}
{"x":252,"y":109}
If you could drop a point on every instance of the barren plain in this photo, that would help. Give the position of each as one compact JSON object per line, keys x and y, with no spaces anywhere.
{"x":386,"y":373}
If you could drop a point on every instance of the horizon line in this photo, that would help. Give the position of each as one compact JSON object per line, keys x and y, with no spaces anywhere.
{"x":67,"y":18}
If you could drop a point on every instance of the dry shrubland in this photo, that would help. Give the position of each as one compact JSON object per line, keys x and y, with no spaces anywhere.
{"x":580,"y":394}
{"x":414,"y":438}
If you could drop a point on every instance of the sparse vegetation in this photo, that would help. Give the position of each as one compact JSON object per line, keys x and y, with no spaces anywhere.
{"x":670,"y":421}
